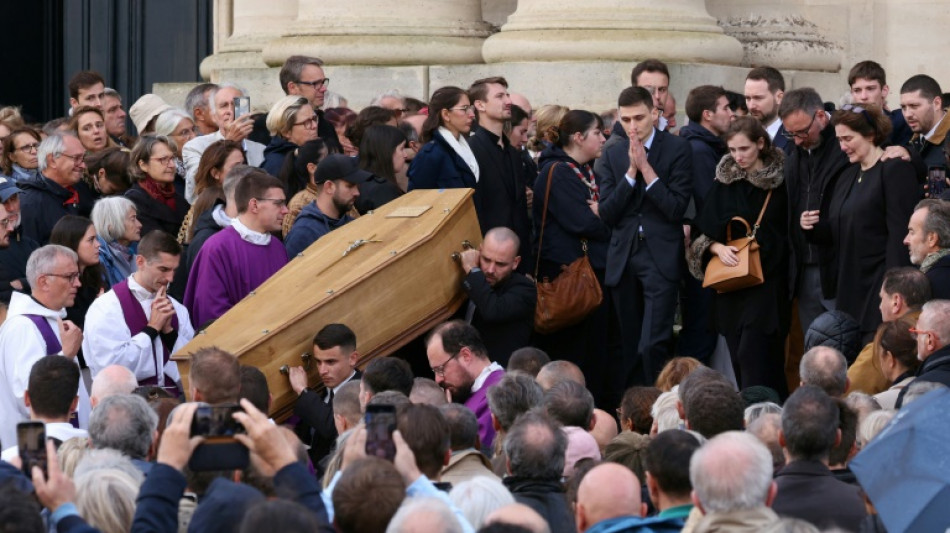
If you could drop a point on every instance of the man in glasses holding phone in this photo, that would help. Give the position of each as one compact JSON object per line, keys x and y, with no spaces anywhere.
{"x":36,"y":328}
{"x":811,"y":170}
{"x":136,"y":324}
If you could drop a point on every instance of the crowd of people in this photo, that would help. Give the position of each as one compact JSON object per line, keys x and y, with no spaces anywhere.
{"x":671,"y":406}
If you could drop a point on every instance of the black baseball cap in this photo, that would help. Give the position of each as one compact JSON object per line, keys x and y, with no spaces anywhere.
{"x":340,"y":167}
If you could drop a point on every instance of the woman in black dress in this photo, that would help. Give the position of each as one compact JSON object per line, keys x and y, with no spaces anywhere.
{"x":753,"y":320}
{"x":866,"y":216}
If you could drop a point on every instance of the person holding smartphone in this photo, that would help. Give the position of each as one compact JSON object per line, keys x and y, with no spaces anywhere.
{"x":232,"y":126}
{"x":137,"y":324}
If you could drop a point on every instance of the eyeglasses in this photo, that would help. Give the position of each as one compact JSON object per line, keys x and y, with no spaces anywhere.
{"x":7,"y":222}
{"x":802,"y":134}
{"x":71,"y":277}
{"x":186,"y":132}
{"x":463,"y":108}
{"x":77,"y":159}
{"x":440,"y":370}
{"x":916,"y":331}
{"x":27,"y":148}
{"x":279,"y":202}
{"x":163,"y":161}
{"x":309,"y":123}
{"x":316,"y":84}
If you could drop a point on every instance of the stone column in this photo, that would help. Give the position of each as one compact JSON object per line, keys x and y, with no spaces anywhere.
{"x":384,"y":32}
{"x":242,"y":28}
{"x":677,"y":31}
{"x":777,"y":33}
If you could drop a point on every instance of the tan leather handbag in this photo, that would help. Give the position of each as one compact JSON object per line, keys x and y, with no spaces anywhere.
{"x":748,"y":273}
{"x":572,"y":295}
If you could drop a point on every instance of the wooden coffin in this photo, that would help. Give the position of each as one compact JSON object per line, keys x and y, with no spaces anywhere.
{"x":389,"y":290}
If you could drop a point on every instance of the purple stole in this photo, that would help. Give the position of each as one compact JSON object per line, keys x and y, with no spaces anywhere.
{"x":53,"y":347}
{"x":136,"y":321}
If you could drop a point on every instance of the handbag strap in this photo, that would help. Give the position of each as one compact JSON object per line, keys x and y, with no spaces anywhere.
{"x":544,"y":219}
{"x":750,"y":232}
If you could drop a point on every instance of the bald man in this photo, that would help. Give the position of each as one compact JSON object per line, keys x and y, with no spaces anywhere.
{"x":500,"y":301}
{"x":597,"y":503}
{"x":110,"y":381}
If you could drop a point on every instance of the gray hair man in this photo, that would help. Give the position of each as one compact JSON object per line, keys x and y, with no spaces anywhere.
{"x":198,"y":106}
{"x":35,"y":328}
{"x":732,"y":484}
{"x":933,"y":344}
{"x":826,"y":368}
{"x":58,"y":190}
{"x":125,"y":423}
{"x":230,"y":127}
{"x":928,"y":239}
{"x":536,"y":447}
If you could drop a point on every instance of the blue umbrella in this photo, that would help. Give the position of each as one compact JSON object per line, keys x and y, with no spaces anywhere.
{"x":905,"y":470}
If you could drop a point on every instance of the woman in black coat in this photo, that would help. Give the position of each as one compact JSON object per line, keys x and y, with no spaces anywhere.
{"x":570,"y":225}
{"x":158,"y":203}
{"x":754,"y":320}
{"x":382,"y":152}
{"x":865,"y":218}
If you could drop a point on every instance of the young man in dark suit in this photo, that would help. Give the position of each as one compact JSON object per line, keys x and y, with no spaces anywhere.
{"x":334,"y":351}
{"x":645,"y":189}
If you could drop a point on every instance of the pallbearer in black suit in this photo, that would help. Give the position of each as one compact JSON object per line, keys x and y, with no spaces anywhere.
{"x":647,"y":183}
{"x":334,"y":350}
{"x":500,"y":300}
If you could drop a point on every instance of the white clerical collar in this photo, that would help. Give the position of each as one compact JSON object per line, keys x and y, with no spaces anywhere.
{"x":141,"y":293}
{"x":480,"y":380}
{"x":772,"y":129}
{"x":249,"y":235}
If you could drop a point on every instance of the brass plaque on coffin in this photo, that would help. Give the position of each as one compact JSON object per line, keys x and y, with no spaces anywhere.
{"x":388,"y":275}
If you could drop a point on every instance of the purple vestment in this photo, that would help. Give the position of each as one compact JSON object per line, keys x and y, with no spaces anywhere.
{"x":226,"y":269}
{"x":478,"y":403}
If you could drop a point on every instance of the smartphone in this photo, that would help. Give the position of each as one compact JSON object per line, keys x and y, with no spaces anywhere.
{"x":216,"y":421}
{"x":936,"y":181}
{"x":31,"y":441}
{"x":242,"y":106}
{"x":219,"y":453}
{"x":380,"y":424}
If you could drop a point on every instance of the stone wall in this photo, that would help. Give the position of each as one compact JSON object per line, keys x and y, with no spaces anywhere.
{"x":575,"y":53}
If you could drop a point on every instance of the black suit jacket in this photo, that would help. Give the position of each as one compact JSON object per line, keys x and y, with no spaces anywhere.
{"x":807,"y":490}
{"x":317,"y":415}
{"x":500,"y":197}
{"x":659,"y":211}
{"x":504,"y":314}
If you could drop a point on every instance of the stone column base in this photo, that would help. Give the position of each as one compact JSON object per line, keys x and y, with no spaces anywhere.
{"x":376,"y":49}
{"x":611,"y":45}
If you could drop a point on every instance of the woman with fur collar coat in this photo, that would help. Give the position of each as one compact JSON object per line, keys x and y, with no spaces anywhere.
{"x":753,"y":320}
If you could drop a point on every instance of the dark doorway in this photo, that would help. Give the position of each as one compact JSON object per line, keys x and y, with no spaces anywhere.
{"x":132,"y":43}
